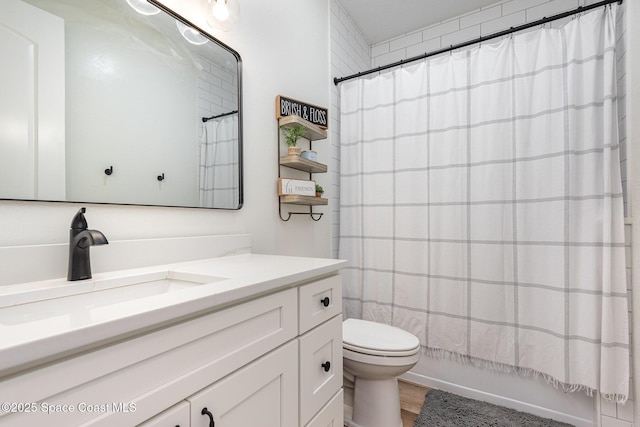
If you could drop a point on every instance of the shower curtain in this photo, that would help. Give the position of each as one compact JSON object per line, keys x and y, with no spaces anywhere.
{"x":481,"y":205}
{"x":219,"y":186}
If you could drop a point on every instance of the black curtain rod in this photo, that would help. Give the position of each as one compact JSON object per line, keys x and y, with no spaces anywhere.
{"x":511,"y":30}
{"x":206,"y":119}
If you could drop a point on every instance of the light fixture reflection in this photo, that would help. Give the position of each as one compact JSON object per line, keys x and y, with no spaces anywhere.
{"x":142,"y":7}
{"x":221,"y":14}
{"x":191,"y":35}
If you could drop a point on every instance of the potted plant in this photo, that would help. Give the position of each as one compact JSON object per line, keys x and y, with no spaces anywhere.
{"x":319,"y":190}
{"x":291,"y":135}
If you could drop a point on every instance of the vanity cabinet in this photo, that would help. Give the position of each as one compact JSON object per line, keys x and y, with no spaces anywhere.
{"x":270,"y":360}
{"x":176,"y":416}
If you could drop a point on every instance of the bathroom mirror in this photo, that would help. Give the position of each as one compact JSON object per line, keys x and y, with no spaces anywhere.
{"x":103,"y":102}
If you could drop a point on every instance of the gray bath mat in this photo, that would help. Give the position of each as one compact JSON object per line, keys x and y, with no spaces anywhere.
{"x":442,"y":409}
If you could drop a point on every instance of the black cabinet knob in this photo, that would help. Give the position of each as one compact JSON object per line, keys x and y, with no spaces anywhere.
{"x":326,"y":366}
{"x":325,"y":301}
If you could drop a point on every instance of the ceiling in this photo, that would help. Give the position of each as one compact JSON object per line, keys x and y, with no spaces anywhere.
{"x":381,"y":20}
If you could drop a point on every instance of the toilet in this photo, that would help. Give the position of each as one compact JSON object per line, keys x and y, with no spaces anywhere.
{"x":374,"y":355}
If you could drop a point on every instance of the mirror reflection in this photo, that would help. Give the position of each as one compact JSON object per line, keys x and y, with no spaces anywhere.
{"x":116,"y":102}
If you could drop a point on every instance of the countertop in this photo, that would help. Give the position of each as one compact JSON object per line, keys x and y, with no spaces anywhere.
{"x":241,"y":277}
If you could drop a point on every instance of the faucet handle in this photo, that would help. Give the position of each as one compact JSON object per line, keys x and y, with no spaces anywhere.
{"x":79,"y":222}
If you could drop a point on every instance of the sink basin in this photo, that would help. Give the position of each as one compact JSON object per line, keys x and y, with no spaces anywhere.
{"x":23,"y":304}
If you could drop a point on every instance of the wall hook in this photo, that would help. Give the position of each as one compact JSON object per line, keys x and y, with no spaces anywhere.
{"x":109,"y":170}
{"x":161,"y":177}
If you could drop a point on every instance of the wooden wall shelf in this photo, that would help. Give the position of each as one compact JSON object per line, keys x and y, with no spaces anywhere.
{"x":313,"y":133}
{"x":302,"y":164}
{"x":295,"y":199}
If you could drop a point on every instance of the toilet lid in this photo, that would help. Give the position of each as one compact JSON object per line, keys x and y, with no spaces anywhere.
{"x":363,"y":334}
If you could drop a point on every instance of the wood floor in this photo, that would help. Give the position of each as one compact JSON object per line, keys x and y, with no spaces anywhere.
{"x":411,"y":400}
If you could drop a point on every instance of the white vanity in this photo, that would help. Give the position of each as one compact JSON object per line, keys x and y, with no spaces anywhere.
{"x":241,"y":340}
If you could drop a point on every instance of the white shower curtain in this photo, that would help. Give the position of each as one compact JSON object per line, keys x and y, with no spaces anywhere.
{"x":219,"y":185}
{"x":481,"y":205}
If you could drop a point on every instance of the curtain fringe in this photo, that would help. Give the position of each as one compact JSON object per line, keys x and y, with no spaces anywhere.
{"x":439,"y":353}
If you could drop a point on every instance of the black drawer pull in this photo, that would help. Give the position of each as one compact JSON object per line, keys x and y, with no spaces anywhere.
{"x":206,"y":412}
{"x":325,"y":301}
{"x":326,"y":366}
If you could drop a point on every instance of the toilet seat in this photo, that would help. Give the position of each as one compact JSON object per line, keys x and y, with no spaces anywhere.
{"x":377,"y":339}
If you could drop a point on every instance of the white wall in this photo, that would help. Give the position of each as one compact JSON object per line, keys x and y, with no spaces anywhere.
{"x":284,"y":51}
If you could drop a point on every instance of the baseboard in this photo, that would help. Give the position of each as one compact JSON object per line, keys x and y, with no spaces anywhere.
{"x":495,"y":399}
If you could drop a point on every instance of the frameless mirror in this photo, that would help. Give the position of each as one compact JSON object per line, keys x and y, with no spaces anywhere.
{"x":104,"y":101}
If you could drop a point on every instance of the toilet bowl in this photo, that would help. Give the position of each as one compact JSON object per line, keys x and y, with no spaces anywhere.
{"x":374,"y":355}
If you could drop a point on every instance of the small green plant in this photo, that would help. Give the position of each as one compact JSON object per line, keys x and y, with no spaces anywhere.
{"x":319,"y":189}
{"x":292,"y":134}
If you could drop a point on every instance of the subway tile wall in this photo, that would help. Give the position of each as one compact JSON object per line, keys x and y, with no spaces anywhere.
{"x":217,"y":89}
{"x":350,"y":53}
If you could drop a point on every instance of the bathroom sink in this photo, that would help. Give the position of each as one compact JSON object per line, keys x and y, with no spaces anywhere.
{"x":35,"y":302}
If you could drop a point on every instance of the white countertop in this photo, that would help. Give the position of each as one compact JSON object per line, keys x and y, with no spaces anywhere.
{"x":243,"y":276}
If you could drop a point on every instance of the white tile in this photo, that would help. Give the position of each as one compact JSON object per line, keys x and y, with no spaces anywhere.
{"x":461,"y":36}
{"x":407,"y":40}
{"x":481,"y":16}
{"x":440,"y":29}
{"x":608,"y":407}
{"x":380,"y":49}
{"x":612,"y":422}
{"x":424,"y":47}
{"x":338,"y":27}
{"x":518,"y":5}
{"x":503,"y":23}
{"x":389,"y":58}
{"x":550,"y":8}
{"x":625,"y":412}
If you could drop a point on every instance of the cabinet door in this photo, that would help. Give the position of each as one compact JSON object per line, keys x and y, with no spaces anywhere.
{"x":264,"y":393}
{"x":332,"y":415}
{"x":320,"y":367}
{"x":176,"y":416}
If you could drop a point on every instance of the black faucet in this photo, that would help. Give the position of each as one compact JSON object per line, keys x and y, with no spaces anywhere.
{"x":80,"y":240}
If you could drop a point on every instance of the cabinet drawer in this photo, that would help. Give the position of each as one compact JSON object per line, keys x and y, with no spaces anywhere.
{"x":319,"y":301}
{"x":332,"y":415}
{"x":319,"y":381}
{"x":176,"y":416}
{"x":263,"y":393}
